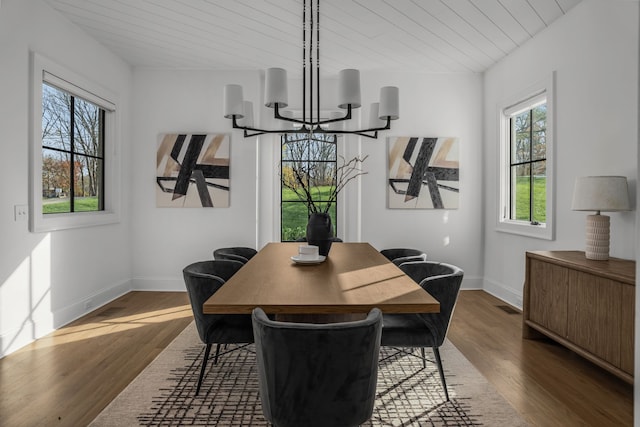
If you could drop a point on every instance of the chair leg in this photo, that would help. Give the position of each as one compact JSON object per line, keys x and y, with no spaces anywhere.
{"x":215,"y":359}
{"x":436,"y":352}
{"x":204,"y":367}
{"x":424,"y":358}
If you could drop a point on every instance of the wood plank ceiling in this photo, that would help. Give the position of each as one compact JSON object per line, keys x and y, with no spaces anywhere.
{"x":428,"y":36}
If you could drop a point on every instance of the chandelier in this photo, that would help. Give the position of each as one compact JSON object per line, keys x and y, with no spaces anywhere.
{"x":276,"y":94}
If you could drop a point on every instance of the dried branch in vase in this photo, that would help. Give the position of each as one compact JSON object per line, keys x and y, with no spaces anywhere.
{"x":301,"y":175}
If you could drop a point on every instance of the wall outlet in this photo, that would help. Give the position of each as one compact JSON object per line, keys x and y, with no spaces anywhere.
{"x":21,"y":212}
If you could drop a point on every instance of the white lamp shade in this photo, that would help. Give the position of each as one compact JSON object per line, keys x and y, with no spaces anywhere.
{"x":247,"y":120}
{"x":600,"y":193}
{"x":349,"y":88}
{"x":389,"y":103}
{"x":275,"y":87}
{"x":374,"y":117}
{"x":233,"y":102}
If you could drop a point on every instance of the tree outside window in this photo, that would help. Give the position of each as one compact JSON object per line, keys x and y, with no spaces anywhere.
{"x":306,"y":161}
{"x":528,"y":166}
{"x":72,"y":153}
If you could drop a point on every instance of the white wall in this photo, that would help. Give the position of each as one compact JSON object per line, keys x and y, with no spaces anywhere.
{"x":46,"y":279}
{"x":594,"y":52}
{"x":165,"y":240}
{"x":438,"y":105}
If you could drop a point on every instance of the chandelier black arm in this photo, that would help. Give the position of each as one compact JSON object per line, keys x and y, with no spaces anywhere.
{"x":294,"y":131}
{"x":308,"y":129}
{"x":359,"y":132}
{"x":277,"y":115}
{"x":362,"y":132}
{"x":258,"y":131}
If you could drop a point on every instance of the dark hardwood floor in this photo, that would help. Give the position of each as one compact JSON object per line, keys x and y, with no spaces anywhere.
{"x":68,"y":377}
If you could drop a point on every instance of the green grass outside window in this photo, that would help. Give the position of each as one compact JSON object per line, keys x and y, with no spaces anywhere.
{"x":539,"y":199}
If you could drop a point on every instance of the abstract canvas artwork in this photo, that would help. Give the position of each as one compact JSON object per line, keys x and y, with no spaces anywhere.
{"x":423,"y":173}
{"x":192,"y":170}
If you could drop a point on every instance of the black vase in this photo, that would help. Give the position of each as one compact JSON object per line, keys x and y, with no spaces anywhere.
{"x":320,"y":232}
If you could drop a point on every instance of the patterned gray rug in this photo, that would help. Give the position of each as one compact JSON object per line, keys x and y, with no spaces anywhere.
{"x":407,"y":393}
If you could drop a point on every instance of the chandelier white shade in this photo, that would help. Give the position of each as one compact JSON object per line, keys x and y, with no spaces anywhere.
{"x":275,"y":84}
{"x":389,"y":103}
{"x":276,"y":94}
{"x":233,"y":102}
{"x":600,"y":194}
{"x":349,"y":89}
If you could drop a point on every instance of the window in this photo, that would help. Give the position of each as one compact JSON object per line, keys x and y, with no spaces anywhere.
{"x":73,"y":166}
{"x":72,"y":153}
{"x":306,"y":163}
{"x":525,"y":133}
{"x":527,"y":165}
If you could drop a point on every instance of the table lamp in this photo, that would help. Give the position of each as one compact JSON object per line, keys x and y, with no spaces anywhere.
{"x":600,"y":194}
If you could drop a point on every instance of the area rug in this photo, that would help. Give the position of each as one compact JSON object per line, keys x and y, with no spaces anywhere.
{"x":407,"y":393}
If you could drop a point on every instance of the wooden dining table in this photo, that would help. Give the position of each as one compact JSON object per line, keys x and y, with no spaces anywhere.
{"x":353,"y":279}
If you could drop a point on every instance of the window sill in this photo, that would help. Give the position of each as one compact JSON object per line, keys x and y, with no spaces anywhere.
{"x":542,"y":231}
{"x":53,"y":222}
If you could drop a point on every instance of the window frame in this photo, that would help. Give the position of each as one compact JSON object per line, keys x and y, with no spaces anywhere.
{"x":45,"y":70}
{"x":523,"y":101}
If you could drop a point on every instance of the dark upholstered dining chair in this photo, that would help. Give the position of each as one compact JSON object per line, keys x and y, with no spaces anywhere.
{"x":238,"y":253}
{"x":202,"y":280}
{"x":317,"y":374}
{"x":400,"y":255}
{"x":443,"y":282}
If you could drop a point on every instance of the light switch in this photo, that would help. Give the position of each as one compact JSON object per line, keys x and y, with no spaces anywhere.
{"x":21,"y":212}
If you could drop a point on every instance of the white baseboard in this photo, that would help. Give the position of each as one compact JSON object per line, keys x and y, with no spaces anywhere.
{"x":34,"y":328}
{"x":500,"y":291}
{"x":89,"y":304}
{"x":471,"y":283}
{"x":158,"y":284}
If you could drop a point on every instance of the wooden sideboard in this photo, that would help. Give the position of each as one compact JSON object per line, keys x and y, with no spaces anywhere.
{"x":588,"y":306}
